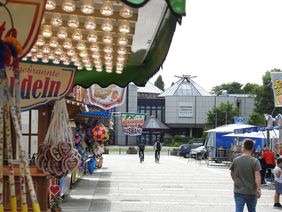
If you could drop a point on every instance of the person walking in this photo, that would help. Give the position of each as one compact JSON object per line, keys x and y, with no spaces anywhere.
{"x":141,"y":148}
{"x":245,"y":173}
{"x":157,"y":147}
{"x":278,"y":183}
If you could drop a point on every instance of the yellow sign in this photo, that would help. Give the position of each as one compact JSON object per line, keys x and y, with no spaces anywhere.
{"x":276,"y":78}
{"x":40,"y":84}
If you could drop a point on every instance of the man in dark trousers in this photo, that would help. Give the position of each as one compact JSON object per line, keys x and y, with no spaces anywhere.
{"x":245,"y":172}
{"x":141,"y":147}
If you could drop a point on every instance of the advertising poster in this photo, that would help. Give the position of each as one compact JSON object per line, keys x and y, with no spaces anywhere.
{"x":40,"y":84}
{"x":276,"y":78}
{"x":106,"y":98}
{"x":132,"y":123}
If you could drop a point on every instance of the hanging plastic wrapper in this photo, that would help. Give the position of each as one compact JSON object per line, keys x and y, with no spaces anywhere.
{"x":57,"y":156}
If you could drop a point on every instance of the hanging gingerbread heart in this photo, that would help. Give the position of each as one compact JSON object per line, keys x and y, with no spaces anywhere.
{"x":55,"y":153}
{"x":65,"y":148}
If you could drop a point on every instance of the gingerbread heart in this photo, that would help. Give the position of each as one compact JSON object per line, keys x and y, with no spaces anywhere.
{"x":55,"y":153}
{"x":44,"y":166}
{"x":65,"y":148}
{"x":47,"y":154}
{"x":72,"y":162}
{"x":38,"y":161}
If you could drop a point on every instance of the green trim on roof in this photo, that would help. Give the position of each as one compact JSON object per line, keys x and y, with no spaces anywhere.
{"x":132,"y":73}
{"x":177,"y":6}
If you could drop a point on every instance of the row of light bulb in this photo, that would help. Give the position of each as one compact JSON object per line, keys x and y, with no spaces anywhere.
{"x":57,"y":56}
{"x":87,"y":7}
{"x":73,"y":22}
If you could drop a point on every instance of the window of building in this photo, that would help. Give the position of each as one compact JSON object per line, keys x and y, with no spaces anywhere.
{"x":30,"y":131}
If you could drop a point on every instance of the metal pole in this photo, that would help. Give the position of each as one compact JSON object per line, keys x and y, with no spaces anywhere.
{"x":127,"y":91}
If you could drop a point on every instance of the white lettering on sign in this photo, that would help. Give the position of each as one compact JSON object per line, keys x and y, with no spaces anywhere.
{"x":185,"y":109}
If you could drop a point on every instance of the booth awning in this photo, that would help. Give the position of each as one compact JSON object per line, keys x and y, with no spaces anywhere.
{"x":108,"y":42}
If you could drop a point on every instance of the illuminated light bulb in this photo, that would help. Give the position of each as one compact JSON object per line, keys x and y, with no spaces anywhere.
{"x":126,"y":12}
{"x":87,"y":7}
{"x":79,"y":67}
{"x":83,"y":54}
{"x":51,"y":56}
{"x":109,"y":69}
{"x":124,"y":27}
{"x":94,"y":47}
{"x":66,"y":62}
{"x":92,"y":36}
{"x":29,"y":54}
{"x":98,"y":60}
{"x":34,"y":58}
{"x":46,"y":49}
{"x":73,"y":21}
{"x":63,"y":57}
{"x":107,"y":25}
{"x":45,"y":59}
{"x":108,"y":49}
{"x":24,"y":59}
{"x":107,"y":8}
{"x":90,"y":23}
{"x":85,"y":60}
{"x":119,"y":65}
{"x":81,"y":46}
{"x":121,"y":51}
{"x":122,"y":41}
{"x":56,"y":60}
{"x":67,"y":43}
{"x":56,"y":20}
{"x":108,"y":56}
{"x":34,"y":49}
{"x":71,"y":52}
{"x":77,"y":35}
{"x":68,"y":6}
{"x":119,"y":71}
{"x":62,"y":33}
{"x":47,"y":31}
{"x":107,"y":38}
{"x":108,"y":63}
{"x":40,"y":40}
{"x":120,"y":58}
{"x":54,"y":42}
{"x":39,"y":54}
{"x":50,"y":5}
{"x":77,"y":63}
{"x":58,"y":50}
{"x":99,"y":69}
{"x":88,"y":68}
{"x":74,"y":59}
{"x":98,"y":63}
{"x":95,"y":56}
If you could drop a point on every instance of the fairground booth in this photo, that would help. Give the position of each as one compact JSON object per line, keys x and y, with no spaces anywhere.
{"x":63,"y":67}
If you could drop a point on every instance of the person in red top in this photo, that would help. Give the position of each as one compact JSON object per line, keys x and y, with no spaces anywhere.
{"x":269,"y":162}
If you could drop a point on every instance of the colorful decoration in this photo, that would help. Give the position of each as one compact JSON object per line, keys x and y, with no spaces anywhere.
{"x":99,"y":133}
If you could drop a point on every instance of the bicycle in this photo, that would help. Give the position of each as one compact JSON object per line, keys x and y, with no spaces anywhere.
{"x":157,"y":156}
{"x":141,"y":156}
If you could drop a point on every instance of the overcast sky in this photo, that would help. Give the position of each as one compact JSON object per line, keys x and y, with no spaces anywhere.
{"x":222,"y":41}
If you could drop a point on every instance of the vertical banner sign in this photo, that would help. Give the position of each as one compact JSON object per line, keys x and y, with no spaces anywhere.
{"x":132,"y":123}
{"x":276,"y":78}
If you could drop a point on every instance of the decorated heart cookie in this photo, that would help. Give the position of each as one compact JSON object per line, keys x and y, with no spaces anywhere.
{"x":65,"y":148}
{"x":72,"y":162}
{"x":55,"y":153}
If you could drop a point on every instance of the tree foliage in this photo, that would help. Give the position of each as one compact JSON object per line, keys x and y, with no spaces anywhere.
{"x":256,"y":119}
{"x":236,"y":88}
{"x":222,"y":114}
{"x":264,"y":101}
{"x":159,"y":83}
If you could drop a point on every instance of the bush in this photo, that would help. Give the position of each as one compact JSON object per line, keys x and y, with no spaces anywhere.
{"x":168,"y":140}
{"x":131,"y":150}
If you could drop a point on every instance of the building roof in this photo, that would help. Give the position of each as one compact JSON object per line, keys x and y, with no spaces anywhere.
{"x":152,"y":123}
{"x":149,"y":88}
{"x":185,"y":87}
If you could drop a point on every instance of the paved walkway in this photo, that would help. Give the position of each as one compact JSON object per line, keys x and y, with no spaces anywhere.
{"x":123,"y":184}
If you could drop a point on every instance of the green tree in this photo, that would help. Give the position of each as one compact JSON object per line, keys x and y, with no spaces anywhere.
{"x":232,"y":88}
{"x":159,"y":83}
{"x":256,"y":119}
{"x":222,"y":114}
{"x":264,"y":101}
{"x":251,"y":88}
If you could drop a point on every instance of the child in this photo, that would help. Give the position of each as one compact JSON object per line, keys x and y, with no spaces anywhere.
{"x":278,"y":183}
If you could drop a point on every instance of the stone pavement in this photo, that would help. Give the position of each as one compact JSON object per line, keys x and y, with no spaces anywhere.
{"x":173,"y":185}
